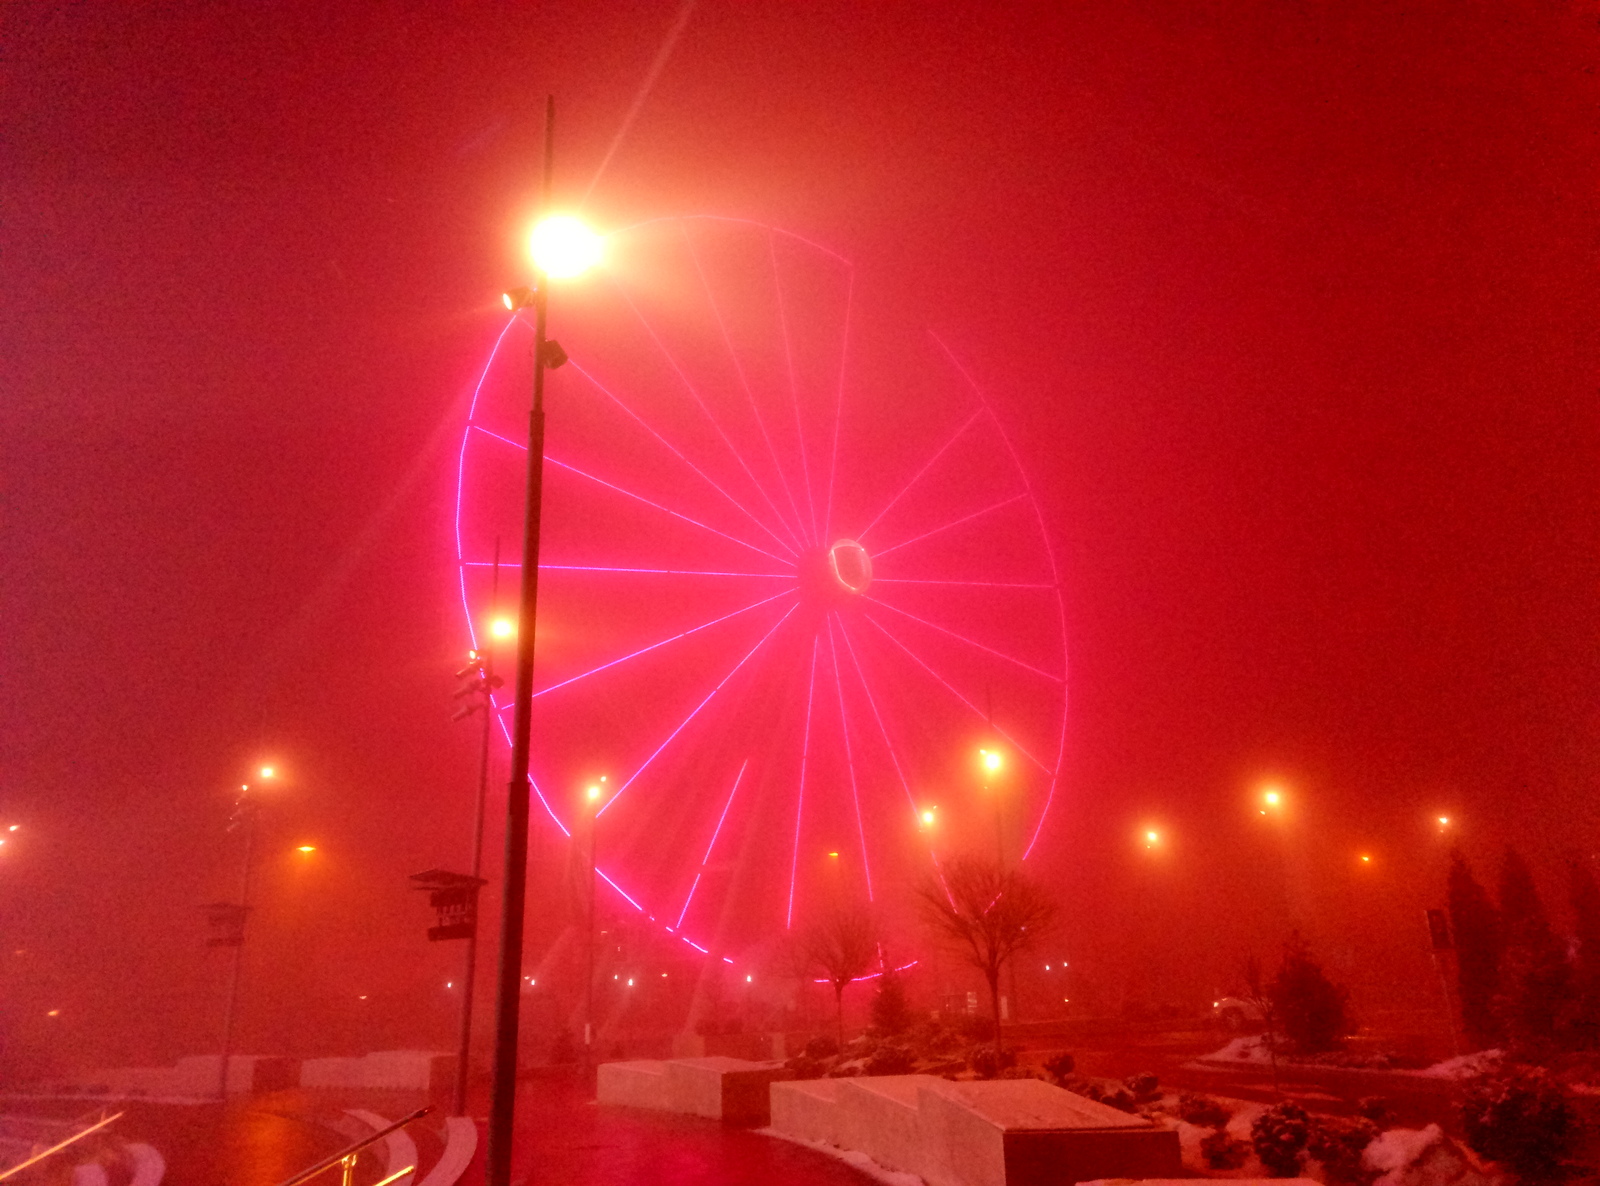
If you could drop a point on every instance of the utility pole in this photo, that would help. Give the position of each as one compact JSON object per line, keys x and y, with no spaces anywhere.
{"x":244,"y":816}
{"x":481,"y":690}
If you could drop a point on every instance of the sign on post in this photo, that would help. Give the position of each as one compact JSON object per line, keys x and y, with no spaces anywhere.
{"x":454,"y":896}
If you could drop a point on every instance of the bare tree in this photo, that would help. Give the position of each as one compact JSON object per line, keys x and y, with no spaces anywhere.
{"x":843,"y":944}
{"x":987,"y":914}
{"x":1259,"y":994}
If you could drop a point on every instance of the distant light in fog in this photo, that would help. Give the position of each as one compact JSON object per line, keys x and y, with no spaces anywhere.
{"x":503,"y":628}
{"x":267,"y":772}
{"x":54,"y":1013}
{"x":14,"y":827}
{"x":748,"y":979}
{"x":307,"y":848}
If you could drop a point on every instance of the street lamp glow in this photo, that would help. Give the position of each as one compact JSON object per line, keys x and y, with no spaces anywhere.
{"x":927,"y":818}
{"x":562,"y":247}
{"x":268,"y":772}
{"x":991,"y":759}
{"x":1152,"y":838}
{"x":1365,"y":859}
{"x":502,"y":628}
{"x":1444,"y":821}
{"x":594,"y":793}
{"x":304,"y":848}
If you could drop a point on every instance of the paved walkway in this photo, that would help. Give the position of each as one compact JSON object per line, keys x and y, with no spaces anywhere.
{"x":563,"y":1137}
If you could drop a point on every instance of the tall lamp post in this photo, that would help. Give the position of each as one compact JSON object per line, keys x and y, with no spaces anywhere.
{"x":592,"y":796}
{"x":243,"y":817}
{"x":561,"y":248}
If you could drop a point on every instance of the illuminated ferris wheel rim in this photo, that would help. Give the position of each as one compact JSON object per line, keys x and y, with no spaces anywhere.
{"x":847,"y":564}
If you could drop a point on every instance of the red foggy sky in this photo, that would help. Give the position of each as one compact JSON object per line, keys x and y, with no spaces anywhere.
{"x":1290,"y":309}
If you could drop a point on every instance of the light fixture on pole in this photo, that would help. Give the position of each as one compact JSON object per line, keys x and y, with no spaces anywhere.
{"x":560,"y":251}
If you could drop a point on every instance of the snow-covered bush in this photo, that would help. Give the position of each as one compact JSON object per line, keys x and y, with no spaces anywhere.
{"x":1061,"y":1066}
{"x":1202,"y":1111}
{"x":1143,"y":1086}
{"x":1337,"y":1143}
{"x":889,"y":1060}
{"x":1223,"y":1152}
{"x":1523,"y":1119}
{"x":1279,"y":1137}
{"x":987,"y":1060}
{"x":821,"y":1047}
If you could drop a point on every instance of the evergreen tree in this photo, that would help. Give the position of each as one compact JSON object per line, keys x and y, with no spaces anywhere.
{"x":1585,"y":898}
{"x":1311,"y":1006}
{"x":1536,"y":984}
{"x":1477,"y":932}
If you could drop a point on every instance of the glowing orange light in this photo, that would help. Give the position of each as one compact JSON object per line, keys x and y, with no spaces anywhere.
{"x":13,"y":827}
{"x":1152,"y":837}
{"x":1365,"y":859}
{"x":927,"y":817}
{"x":562,"y":247}
{"x":593,"y":793}
{"x":1444,"y":821}
{"x":992,"y":760}
{"x":1272,"y":798}
{"x":307,"y":848}
{"x":834,"y":855}
{"x":267,"y":772}
{"x":54,"y":1013}
{"x":502,"y":628}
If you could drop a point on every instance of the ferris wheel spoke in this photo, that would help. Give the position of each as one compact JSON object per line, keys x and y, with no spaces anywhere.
{"x":978,"y":514}
{"x":715,"y":832}
{"x":658,"y":645}
{"x":673,"y":449}
{"x":971,"y":642}
{"x":800,"y":799}
{"x":917,"y":477}
{"x":666,"y":572}
{"x":744,"y":382}
{"x":951,"y":688}
{"x":877,"y":580}
{"x":877,"y":716}
{"x":850,"y":762}
{"x":699,"y":402}
{"x":668,"y":510}
{"x":683,"y":724}
{"x":794,"y":388}
{"x":838,"y":409}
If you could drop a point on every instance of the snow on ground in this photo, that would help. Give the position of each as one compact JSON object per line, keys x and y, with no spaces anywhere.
{"x":1252,"y":1049}
{"x":1466,"y":1065}
{"x":1423,"y":1157}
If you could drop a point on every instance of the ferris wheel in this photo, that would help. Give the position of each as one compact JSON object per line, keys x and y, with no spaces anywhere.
{"x":794,"y":579}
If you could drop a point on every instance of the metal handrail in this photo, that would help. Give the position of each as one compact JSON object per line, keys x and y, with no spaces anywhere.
{"x":349,"y":1152}
{"x":56,"y":1148}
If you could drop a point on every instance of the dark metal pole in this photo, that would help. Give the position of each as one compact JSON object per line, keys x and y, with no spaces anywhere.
{"x":588,"y":1006}
{"x":508,"y":1002}
{"x":247,"y":810}
{"x":470,"y":979}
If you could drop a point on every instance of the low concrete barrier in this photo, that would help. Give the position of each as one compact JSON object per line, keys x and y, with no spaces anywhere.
{"x":732,"y":1090}
{"x":1009,"y":1132}
{"x":641,"y":1083}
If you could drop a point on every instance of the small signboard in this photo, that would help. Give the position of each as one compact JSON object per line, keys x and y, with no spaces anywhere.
{"x":455,"y":897}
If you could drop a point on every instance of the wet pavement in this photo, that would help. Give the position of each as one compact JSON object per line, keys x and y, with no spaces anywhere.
{"x":564,"y":1137}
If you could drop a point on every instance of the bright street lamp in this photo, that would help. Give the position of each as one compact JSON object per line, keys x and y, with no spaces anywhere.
{"x":562,"y":247}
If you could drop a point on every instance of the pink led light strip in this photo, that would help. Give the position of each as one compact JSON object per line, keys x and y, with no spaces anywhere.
{"x":1061,"y":612}
{"x":673,"y":449}
{"x":963,"y":638}
{"x":744,"y":382}
{"x":800,"y":801}
{"x":656,"y":645}
{"x":700,"y":403}
{"x":917,"y":477}
{"x":850,"y":763}
{"x":669,"y":572}
{"x":717,"y":831}
{"x":685,"y":722}
{"x":648,"y":502}
{"x":917,"y":659}
{"x":917,"y":539}
{"x":794,"y":387}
